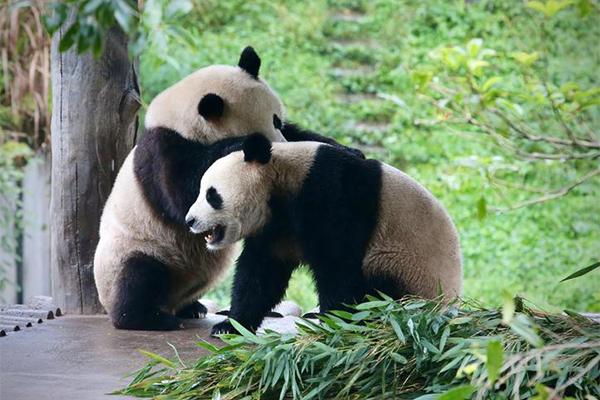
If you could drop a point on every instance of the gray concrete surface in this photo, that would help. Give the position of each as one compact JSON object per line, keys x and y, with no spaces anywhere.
{"x":84,"y":357}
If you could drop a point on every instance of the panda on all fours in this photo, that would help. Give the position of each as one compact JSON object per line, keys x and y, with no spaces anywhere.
{"x":149,"y":268}
{"x":360,"y":225}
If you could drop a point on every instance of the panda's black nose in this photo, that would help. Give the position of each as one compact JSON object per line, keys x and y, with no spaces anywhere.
{"x":190,"y":221}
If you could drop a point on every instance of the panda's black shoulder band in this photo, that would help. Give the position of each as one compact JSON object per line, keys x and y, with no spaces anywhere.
{"x":250,"y":61}
{"x":257,"y":147}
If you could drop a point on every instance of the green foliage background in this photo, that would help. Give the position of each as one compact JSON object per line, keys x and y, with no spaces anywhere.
{"x":525,"y":251}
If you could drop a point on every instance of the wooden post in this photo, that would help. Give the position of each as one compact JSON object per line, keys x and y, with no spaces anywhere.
{"x":94,"y":125}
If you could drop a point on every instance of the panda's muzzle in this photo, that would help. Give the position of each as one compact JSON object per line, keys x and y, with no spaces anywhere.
{"x":214,"y":235}
{"x":191,"y":223}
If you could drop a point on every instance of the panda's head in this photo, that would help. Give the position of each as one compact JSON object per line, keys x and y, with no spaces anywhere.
{"x":234,"y":195}
{"x":219,"y":101}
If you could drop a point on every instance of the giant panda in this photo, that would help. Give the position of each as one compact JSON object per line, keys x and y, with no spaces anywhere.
{"x":149,"y":269}
{"x":361,"y":226}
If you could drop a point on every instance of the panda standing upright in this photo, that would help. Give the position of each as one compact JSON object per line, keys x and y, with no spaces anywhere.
{"x":149,"y":269}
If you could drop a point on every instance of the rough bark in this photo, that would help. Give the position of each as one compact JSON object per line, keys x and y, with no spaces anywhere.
{"x":94,"y":123}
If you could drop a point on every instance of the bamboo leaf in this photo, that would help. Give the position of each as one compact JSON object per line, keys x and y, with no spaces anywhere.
{"x":582,"y":271}
{"x":458,"y":393}
{"x":360,"y":315}
{"x":508,"y":307}
{"x":398,"y":358}
{"x":521,"y":326}
{"x":158,"y":358}
{"x":207,"y":346}
{"x":444,"y":338}
{"x":371,"y":304}
{"x":495,"y":355}
{"x":460,"y":320}
{"x":398,"y":330}
{"x":481,"y":208}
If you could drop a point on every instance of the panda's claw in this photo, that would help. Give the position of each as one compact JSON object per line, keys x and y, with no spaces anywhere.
{"x":195,"y":310}
{"x":221,"y":328}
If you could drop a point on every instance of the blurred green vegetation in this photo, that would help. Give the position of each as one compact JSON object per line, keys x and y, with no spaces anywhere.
{"x":305,"y":49}
{"x":492,"y":105}
{"x":24,"y":116}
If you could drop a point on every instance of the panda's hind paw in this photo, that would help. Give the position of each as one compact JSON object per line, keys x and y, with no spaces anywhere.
{"x":192,"y":311}
{"x":148,"y":320}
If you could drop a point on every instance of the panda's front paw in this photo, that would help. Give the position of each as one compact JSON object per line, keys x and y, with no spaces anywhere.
{"x":223,"y":328}
{"x":192,"y":311}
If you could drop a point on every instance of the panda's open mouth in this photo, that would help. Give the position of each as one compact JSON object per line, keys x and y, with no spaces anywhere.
{"x":215,"y":234}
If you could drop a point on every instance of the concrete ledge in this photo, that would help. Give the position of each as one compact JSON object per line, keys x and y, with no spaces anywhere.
{"x":84,"y":357}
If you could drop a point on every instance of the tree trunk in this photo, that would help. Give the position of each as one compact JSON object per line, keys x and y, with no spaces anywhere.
{"x":94,"y":125}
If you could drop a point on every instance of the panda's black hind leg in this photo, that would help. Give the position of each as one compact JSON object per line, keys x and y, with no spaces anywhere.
{"x":142,"y":289}
{"x":192,"y":311}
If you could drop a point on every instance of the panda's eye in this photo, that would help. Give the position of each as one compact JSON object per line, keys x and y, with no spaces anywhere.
{"x":214,"y":198}
{"x":277,"y":122}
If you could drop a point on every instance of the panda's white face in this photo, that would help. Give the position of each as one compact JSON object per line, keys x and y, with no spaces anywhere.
{"x":219,"y":101}
{"x":233,"y":201}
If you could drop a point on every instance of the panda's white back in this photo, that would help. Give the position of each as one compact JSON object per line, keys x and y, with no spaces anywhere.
{"x":415,"y":241}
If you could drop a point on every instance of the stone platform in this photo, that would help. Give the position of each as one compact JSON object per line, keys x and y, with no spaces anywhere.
{"x":84,"y":357}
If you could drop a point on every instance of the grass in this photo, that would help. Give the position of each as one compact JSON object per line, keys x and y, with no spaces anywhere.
{"x":526,"y":251}
{"x":387,"y":349}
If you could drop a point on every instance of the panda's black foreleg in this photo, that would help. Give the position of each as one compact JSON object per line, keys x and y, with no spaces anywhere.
{"x":192,"y":310}
{"x":259,"y":284}
{"x":338,"y":286}
{"x":142,"y":288}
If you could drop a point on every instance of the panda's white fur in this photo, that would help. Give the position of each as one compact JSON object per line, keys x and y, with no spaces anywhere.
{"x":415,"y":241}
{"x":141,"y":236}
{"x":413,"y":247}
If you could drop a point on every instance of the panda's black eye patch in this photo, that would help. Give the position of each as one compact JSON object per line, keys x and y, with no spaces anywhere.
{"x":277,"y":122}
{"x":211,"y":106}
{"x":214,"y":198}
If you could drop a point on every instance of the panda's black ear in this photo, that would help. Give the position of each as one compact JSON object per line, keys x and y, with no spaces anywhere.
{"x":249,"y":61}
{"x":256,"y":147}
{"x":211,"y":106}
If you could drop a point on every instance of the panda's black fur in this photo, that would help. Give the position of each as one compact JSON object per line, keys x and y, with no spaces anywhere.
{"x":170,"y":167}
